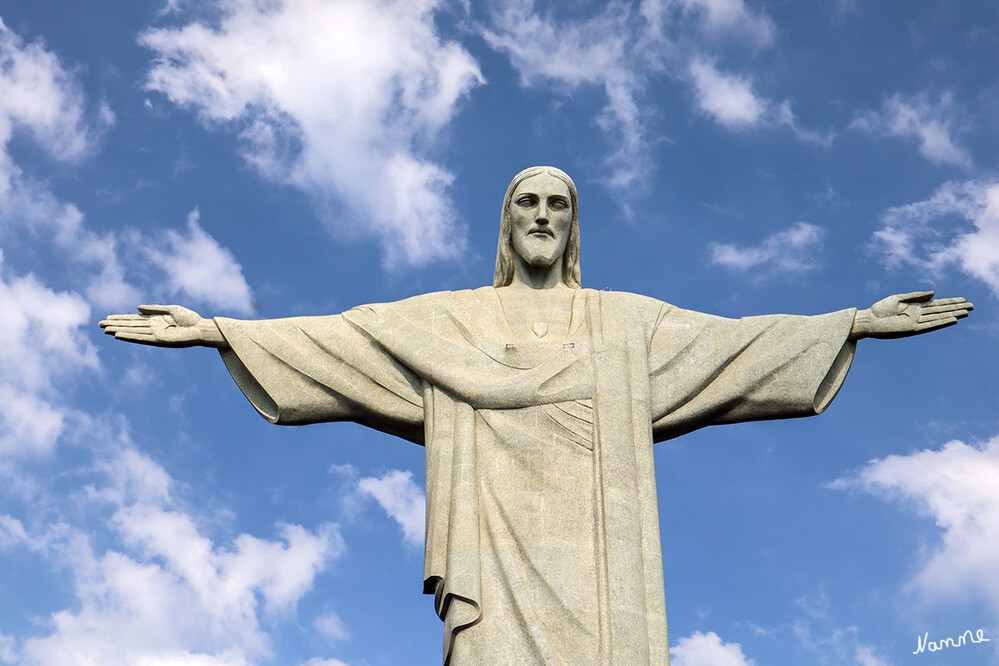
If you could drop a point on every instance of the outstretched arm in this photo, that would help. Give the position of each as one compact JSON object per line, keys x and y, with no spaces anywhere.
{"x":902,"y":315}
{"x":165,"y":326}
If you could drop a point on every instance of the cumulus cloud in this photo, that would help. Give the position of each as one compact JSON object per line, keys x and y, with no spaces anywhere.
{"x":131,"y":477}
{"x":708,"y":649}
{"x":165,"y":592}
{"x":199,"y":268}
{"x":38,"y":95}
{"x":343,"y":102}
{"x":916,"y":117}
{"x":789,"y":251}
{"x":957,"y":486}
{"x":402,"y":500}
{"x":957,"y":226}
{"x":40,"y":344}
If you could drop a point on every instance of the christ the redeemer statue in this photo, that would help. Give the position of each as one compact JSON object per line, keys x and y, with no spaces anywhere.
{"x":538,"y":403}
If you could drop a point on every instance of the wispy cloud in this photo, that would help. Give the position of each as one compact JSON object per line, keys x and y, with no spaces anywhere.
{"x":792,"y":250}
{"x":700,"y":649}
{"x":722,"y":18}
{"x":727,"y":98}
{"x":731,"y":101}
{"x":402,"y":500}
{"x":331,"y":626}
{"x":917,"y":117}
{"x":598,"y":51}
{"x":627,"y":46}
{"x":958,"y":225}
{"x":41,"y":99}
{"x":343,"y":103}
{"x":957,"y":486}
{"x":840,"y":646}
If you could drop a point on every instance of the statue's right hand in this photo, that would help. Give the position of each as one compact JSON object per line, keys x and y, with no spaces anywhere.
{"x":164,"y":326}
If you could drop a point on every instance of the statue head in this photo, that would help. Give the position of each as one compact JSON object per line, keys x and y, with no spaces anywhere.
{"x":505,"y":251}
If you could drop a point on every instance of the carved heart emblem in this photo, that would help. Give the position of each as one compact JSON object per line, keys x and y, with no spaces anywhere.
{"x":540,"y":329}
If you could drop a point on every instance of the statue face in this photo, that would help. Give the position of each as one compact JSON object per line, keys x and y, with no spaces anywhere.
{"x":540,"y":216}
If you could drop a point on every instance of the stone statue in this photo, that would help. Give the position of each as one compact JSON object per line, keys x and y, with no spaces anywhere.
{"x":538,"y":403}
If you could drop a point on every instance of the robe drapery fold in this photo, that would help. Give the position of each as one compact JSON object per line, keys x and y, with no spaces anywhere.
{"x":448,"y":371}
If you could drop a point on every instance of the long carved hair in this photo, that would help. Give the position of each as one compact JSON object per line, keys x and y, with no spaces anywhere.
{"x":504,"y":251}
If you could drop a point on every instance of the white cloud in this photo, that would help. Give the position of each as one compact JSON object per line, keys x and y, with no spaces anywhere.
{"x":31,"y":206}
{"x":789,"y":251}
{"x":623,"y":49}
{"x":165,"y":593}
{"x":936,"y":233}
{"x":41,"y":98}
{"x":708,"y":649}
{"x":8,"y":649}
{"x":341,"y":99}
{"x":726,"y":17}
{"x":841,"y":646}
{"x":224,"y":581}
{"x":957,"y":487}
{"x":185,"y":658}
{"x":866,"y":655}
{"x":603,"y":51}
{"x":132,"y":477}
{"x":731,"y":101}
{"x":727,"y":98}
{"x":331,"y":626}
{"x":918,"y":118}
{"x":40,"y":344}
{"x":402,"y":500}
{"x":199,"y":268}
{"x":316,"y":661}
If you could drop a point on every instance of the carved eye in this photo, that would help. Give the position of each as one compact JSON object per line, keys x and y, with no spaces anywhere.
{"x":559,"y":204}
{"x":526,"y":200}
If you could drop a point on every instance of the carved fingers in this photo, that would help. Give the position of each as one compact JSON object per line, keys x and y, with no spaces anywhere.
{"x":914,"y":313}
{"x":158,"y":325}
{"x":130,"y":327}
{"x":941,"y":313}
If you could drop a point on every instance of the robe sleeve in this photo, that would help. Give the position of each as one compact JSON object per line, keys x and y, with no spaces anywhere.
{"x":706,"y":370}
{"x":304,"y":370}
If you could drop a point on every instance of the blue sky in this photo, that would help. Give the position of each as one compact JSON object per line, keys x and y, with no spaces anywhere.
{"x":258,"y":159}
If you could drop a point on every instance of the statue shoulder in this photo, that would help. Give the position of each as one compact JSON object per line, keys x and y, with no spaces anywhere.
{"x":418,"y":303}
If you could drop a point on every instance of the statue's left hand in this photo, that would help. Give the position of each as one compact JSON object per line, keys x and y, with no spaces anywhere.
{"x":902,"y":315}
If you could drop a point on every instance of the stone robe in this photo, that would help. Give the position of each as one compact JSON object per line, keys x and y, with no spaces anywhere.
{"x":542,"y":540}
